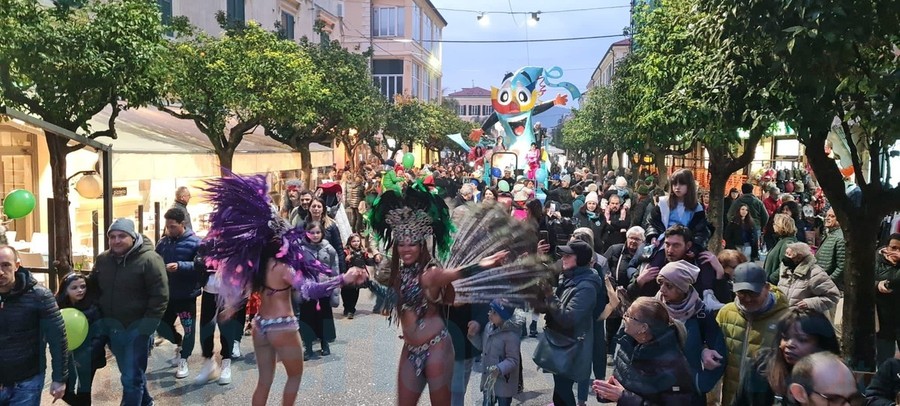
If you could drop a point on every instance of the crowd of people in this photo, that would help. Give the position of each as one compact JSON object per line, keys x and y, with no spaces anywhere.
{"x":757,"y":323}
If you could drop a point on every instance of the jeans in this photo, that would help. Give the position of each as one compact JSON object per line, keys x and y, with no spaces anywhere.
{"x":208,"y":322}
{"x":598,"y":360}
{"x":497,"y":401}
{"x":26,"y":392}
{"x":131,"y":348}
{"x":462,"y":371}
{"x":562,"y":391}
{"x":186,"y":311}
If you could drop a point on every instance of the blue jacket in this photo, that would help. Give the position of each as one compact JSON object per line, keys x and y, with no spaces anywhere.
{"x":185,"y":282}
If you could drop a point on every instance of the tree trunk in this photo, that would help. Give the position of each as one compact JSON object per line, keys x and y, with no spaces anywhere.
{"x":305,"y":164}
{"x":718,"y":174}
{"x":62,"y":227}
{"x":659,"y":159}
{"x":858,"y":338}
{"x":226,"y":158}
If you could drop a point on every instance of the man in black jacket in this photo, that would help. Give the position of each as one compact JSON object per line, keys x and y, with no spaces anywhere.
{"x":29,"y":318}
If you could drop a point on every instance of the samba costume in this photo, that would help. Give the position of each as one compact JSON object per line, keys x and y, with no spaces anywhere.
{"x":416,"y":217}
{"x":251,"y":249}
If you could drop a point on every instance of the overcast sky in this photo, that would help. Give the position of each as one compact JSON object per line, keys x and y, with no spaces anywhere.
{"x":485,"y":64}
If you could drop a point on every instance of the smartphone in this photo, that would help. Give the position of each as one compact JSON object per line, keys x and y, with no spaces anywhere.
{"x":552,"y":207}
{"x":545,"y":236}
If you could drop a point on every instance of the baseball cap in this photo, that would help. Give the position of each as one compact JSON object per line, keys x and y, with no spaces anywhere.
{"x":749,"y":276}
{"x":582,"y":251}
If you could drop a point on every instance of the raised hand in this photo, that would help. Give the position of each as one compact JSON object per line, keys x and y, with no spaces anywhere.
{"x":493,"y":260}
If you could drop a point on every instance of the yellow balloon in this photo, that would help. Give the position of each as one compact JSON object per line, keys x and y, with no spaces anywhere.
{"x":544,"y":156}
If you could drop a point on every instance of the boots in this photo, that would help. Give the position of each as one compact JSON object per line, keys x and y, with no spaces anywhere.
{"x":307,"y":352}
{"x":532,"y":329}
{"x":326,"y":351}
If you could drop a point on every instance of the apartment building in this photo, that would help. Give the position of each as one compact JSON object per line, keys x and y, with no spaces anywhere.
{"x":294,"y":18}
{"x":473,"y":103}
{"x":605,"y":70}
{"x":404,"y":36}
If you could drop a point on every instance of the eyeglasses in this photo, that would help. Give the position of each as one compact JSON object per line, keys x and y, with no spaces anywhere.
{"x":627,"y":317}
{"x":856,"y":399}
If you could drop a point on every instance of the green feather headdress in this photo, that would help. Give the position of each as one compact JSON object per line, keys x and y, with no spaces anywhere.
{"x":412,"y":217}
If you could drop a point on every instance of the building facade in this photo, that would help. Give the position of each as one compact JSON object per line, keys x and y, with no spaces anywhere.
{"x":473,"y":103}
{"x":605,"y":70}
{"x":404,"y":36}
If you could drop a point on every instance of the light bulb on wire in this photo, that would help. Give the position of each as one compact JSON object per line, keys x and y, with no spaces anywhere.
{"x":534,"y":19}
{"x":483,"y":20}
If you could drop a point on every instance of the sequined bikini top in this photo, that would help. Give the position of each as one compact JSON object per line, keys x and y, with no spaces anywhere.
{"x":412,"y":296}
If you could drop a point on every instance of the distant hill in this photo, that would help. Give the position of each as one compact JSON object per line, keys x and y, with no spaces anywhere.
{"x":550,"y":118}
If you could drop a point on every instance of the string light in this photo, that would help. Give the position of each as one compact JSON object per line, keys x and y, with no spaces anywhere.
{"x":534,"y":19}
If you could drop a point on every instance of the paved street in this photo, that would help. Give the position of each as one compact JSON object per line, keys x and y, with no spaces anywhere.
{"x":360,"y":371}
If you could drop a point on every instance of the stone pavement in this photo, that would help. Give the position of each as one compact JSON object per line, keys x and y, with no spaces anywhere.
{"x":361,"y":370}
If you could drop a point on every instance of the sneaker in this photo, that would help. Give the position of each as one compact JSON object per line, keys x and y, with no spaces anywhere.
{"x":182,"y":371}
{"x":175,"y":361}
{"x":350,"y":315}
{"x":236,"y":350}
{"x":225,"y":376}
{"x":209,"y":371}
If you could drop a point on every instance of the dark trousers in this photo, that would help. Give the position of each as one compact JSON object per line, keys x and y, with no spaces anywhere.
{"x":208,"y":322}
{"x":131,"y":349}
{"x":186,"y":311}
{"x":316,"y":321}
{"x":349,"y":295}
{"x":562,"y":391}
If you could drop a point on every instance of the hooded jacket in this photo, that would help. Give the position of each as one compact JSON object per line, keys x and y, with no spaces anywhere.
{"x":29,"y":318}
{"x":809,"y":283}
{"x":132,"y":287}
{"x":831,"y":255}
{"x":500,"y":347}
{"x":184,"y":283}
{"x":744,"y":335}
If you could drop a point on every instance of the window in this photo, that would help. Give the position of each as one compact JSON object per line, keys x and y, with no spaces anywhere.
{"x":417,"y":24}
{"x":487,"y":110}
{"x":416,"y":71}
{"x":388,"y":76}
{"x":427,"y":80}
{"x":388,"y":22}
{"x":427,"y":31}
{"x":165,"y":8}
{"x":234,"y":10}
{"x":461,"y":110}
{"x":287,"y":25}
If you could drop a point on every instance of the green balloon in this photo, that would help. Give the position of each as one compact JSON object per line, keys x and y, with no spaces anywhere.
{"x":18,"y":203}
{"x":76,"y":327}
{"x":409,"y":160}
{"x":503,"y":186}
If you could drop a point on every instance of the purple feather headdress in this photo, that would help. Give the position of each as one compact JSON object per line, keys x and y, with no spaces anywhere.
{"x":242,"y":223}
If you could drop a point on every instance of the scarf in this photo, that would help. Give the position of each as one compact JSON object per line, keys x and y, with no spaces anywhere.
{"x":770,"y":302}
{"x":686,"y":309}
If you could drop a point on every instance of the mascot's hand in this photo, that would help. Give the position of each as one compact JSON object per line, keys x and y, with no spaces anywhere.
{"x":561,"y":100}
{"x":476,"y":134}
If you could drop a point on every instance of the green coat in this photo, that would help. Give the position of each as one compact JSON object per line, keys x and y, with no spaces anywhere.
{"x":831,"y":255}
{"x":743,"y":342}
{"x":132,"y":288}
{"x":773,"y":258}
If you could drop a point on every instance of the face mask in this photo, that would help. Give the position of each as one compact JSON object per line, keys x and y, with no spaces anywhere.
{"x":788,"y":262}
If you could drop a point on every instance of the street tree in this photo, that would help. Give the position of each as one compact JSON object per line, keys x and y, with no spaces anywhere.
{"x":230,"y":85}
{"x":829,"y":69}
{"x":351,"y":109}
{"x":66,"y":63}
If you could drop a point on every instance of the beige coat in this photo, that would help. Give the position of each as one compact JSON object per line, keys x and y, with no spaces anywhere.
{"x":808,"y":282}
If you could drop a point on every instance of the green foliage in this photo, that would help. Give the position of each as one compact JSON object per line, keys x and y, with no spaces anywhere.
{"x":230,"y":85}
{"x":66,"y":64}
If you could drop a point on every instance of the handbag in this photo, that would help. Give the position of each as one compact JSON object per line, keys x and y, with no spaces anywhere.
{"x":560,"y":354}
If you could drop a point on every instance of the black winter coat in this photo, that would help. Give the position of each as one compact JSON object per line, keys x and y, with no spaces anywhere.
{"x":30,"y":320}
{"x":883,"y":389}
{"x":655,"y":373}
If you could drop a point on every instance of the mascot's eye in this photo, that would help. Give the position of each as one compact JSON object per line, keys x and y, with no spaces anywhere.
{"x":504,"y":97}
{"x":523,"y":96}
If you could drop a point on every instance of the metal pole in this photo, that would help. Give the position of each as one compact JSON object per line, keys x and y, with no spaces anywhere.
{"x":51,"y":246}
{"x":107,"y":193}
{"x":156,"y":211}
{"x":95,"y":233}
{"x":140,"y":216}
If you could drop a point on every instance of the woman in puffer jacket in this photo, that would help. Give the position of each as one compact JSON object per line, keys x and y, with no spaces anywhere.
{"x":650,"y":367}
{"x":804,"y":283}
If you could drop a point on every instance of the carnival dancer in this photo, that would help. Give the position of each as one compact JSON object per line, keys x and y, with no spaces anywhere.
{"x":254,"y":250}
{"x":418,"y":285}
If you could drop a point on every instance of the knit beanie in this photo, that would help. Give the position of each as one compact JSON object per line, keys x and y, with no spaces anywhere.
{"x":592,"y":197}
{"x":681,"y":273}
{"x":124,"y":225}
{"x":503,"y":308}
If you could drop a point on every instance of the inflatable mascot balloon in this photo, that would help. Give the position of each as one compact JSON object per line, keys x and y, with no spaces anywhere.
{"x":515,"y":103}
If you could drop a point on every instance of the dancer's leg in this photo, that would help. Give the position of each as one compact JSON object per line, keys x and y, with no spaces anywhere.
{"x":265,"y":364}
{"x":439,"y":373}
{"x":409,"y":386}
{"x":287,"y":346}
